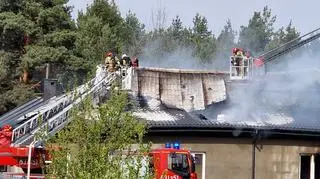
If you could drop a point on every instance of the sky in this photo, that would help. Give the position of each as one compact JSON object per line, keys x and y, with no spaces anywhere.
{"x":302,"y":13}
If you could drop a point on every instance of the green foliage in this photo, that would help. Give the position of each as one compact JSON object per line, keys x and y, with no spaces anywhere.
{"x":99,"y":142}
{"x":37,"y":55}
{"x":102,"y":28}
{"x":15,"y":96}
{"x":200,"y":27}
{"x":226,"y":39}
{"x":89,"y":43}
{"x":202,"y":39}
{"x":53,"y":19}
{"x":198,"y":40}
{"x":10,"y":5}
{"x":50,"y":32}
{"x":134,"y":31}
{"x":12,"y":30}
{"x":176,"y":29}
{"x":282,"y":36}
{"x":77,"y":48}
{"x":65,"y":38}
{"x":111,"y":22}
{"x":259,"y":31}
{"x":108,"y":12}
{"x":7,"y":71}
{"x":225,"y":42}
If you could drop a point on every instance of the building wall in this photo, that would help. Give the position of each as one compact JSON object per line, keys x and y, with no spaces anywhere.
{"x":232,"y":158}
{"x":182,"y":89}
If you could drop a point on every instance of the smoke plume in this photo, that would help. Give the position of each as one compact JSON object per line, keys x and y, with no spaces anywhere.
{"x":181,"y":58}
{"x":287,"y":95}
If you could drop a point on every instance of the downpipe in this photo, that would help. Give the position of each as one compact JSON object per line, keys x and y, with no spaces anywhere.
{"x":256,"y":139}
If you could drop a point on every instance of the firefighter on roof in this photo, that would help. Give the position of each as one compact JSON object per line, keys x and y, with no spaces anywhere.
{"x":125,"y":61}
{"x":110,"y":62}
{"x":135,"y":62}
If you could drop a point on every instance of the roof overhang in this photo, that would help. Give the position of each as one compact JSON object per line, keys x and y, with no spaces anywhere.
{"x":234,"y":132}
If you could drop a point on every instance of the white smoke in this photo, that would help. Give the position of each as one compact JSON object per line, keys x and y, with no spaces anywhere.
{"x":180,"y":58}
{"x":290,"y":94}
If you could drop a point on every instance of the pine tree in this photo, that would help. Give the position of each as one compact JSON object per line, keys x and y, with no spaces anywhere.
{"x":259,"y":31}
{"x":33,"y":33}
{"x":203,"y":40}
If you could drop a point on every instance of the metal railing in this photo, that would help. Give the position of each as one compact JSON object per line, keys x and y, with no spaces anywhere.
{"x":54,"y":115}
{"x":14,"y":116}
{"x":290,"y":46}
{"x":242,"y":69}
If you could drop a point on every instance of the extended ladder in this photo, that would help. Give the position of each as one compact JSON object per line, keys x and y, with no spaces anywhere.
{"x":290,"y":46}
{"x":53,"y":116}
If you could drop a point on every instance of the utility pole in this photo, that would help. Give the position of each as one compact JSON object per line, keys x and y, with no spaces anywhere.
{"x":29,"y":158}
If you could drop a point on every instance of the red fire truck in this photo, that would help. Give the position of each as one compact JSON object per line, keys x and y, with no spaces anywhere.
{"x":170,"y":162}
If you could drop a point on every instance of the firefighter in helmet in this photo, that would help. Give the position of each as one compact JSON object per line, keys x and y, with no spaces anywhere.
{"x":135,"y":62}
{"x":125,"y":61}
{"x":110,"y":62}
{"x":236,"y":59}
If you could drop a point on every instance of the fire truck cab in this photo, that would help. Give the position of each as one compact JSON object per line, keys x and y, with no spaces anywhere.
{"x":172,"y":162}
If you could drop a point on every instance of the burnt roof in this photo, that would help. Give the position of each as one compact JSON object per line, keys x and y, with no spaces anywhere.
{"x":283,"y":108}
{"x":282,"y":123}
{"x":173,"y":118}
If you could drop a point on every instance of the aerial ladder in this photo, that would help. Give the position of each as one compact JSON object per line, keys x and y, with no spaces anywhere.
{"x":45,"y":117}
{"x":256,"y":66}
{"x":53,"y":115}
{"x":25,"y":151}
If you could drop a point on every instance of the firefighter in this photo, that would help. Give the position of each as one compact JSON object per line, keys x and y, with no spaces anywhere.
{"x":237,"y":55}
{"x":118,"y":62}
{"x":125,"y":61}
{"x":245,"y":62}
{"x":135,"y":62}
{"x":110,"y":62}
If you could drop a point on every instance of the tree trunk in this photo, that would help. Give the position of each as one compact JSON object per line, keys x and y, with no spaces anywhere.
{"x":25,"y":77}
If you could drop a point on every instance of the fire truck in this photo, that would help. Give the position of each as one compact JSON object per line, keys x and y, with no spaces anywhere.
{"x":172,"y":162}
{"x":169,"y":162}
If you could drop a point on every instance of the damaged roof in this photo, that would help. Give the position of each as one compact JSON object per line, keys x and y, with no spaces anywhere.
{"x":285,"y":102}
{"x":167,"y":119}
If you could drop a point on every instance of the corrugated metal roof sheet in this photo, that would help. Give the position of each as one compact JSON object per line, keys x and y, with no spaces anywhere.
{"x":171,"y":118}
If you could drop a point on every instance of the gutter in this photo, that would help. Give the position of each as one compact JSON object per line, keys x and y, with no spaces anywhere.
{"x":249,"y":132}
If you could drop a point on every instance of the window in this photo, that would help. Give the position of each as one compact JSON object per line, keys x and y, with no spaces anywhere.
{"x":3,"y":168}
{"x":309,"y":166}
{"x":200,"y":162}
{"x":178,"y":162}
